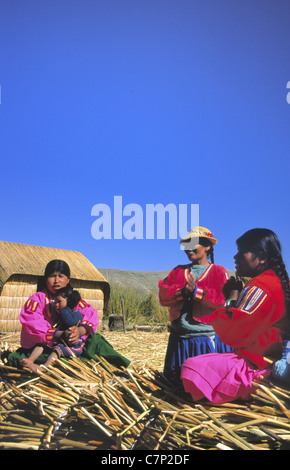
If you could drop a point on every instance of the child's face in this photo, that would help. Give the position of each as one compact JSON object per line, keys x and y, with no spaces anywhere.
{"x":60,"y":302}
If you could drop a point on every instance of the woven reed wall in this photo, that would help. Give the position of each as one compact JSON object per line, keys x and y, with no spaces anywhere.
{"x":18,"y":288}
{"x":14,"y":294}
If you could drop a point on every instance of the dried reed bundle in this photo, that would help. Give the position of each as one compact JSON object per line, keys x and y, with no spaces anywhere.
{"x":92,"y":405}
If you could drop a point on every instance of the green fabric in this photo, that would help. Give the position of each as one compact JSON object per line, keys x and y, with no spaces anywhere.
{"x":94,"y":344}
{"x":21,"y":353}
{"x":198,"y":269}
{"x":97,"y":344}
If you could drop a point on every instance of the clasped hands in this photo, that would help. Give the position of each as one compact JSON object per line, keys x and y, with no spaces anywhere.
{"x":231,"y":289}
{"x":187,"y":290}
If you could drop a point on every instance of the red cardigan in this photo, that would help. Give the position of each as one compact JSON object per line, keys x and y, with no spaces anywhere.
{"x":251,"y":327}
{"x":208,"y":295}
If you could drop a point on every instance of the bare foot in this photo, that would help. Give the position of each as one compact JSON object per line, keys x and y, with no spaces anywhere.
{"x":28,"y":363}
{"x":34,"y":367}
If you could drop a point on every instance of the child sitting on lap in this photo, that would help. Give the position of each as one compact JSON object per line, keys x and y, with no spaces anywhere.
{"x":66,"y":299}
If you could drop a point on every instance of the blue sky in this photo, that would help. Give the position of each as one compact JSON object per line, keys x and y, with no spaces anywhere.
{"x":157,"y":101}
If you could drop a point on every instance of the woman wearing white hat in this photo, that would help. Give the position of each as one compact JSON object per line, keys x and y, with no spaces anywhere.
{"x":194,"y":289}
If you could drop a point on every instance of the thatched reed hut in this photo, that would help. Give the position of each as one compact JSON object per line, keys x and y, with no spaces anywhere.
{"x":21,"y":275}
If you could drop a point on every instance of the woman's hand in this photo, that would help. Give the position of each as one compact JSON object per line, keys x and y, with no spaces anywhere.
{"x":190,"y":285}
{"x":187,"y":290}
{"x":232,"y":289}
{"x":73,"y":334}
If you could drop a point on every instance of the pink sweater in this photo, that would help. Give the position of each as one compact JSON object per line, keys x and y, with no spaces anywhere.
{"x":208,"y":294}
{"x":39,"y":322}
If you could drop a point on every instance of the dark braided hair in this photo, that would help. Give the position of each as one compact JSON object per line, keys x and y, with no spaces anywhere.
{"x":265,"y":244}
{"x":205,"y":242}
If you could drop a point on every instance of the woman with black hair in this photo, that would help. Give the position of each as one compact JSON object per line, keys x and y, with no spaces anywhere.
{"x":192,"y":289}
{"x":39,"y":318}
{"x":40,"y":323}
{"x":252,"y":322}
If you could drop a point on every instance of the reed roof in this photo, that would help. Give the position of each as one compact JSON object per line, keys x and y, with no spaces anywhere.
{"x":17,"y":258}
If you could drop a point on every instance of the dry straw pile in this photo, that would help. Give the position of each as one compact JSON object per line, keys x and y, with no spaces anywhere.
{"x":91,"y":405}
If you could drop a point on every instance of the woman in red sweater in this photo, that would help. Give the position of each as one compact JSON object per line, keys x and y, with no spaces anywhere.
{"x":252,"y":322}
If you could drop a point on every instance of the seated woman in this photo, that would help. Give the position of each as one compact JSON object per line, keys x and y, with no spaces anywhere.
{"x":39,"y":318}
{"x":252,"y":322}
{"x":40,"y":323}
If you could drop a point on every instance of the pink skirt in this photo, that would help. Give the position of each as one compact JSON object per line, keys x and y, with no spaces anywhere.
{"x":220,"y":378}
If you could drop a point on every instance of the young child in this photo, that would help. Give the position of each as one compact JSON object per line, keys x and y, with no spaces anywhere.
{"x":192,"y":290}
{"x":66,"y":299}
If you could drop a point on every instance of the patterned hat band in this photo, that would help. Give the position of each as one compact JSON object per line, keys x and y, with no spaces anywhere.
{"x":199,"y":232}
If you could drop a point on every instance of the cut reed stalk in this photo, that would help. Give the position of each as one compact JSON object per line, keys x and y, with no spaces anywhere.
{"x":274,"y":398}
{"x":105,"y":431}
{"x":225,"y":429}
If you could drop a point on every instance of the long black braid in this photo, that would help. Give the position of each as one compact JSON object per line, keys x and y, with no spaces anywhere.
{"x":278,"y":266}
